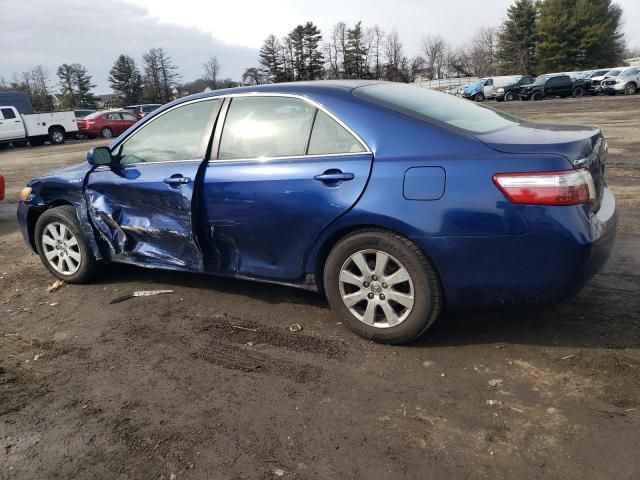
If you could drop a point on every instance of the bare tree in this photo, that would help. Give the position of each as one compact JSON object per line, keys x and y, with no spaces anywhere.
{"x":434,"y":49}
{"x":376,"y":46}
{"x":253,"y":76}
{"x":212,"y":69}
{"x":393,"y":57}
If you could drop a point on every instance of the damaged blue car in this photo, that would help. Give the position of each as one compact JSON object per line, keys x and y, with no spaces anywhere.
{"x":395,"y":201}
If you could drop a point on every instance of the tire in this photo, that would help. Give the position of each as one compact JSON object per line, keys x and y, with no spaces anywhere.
{"x":509,"y":96}
{"x":106,"y":132}
{"x":479,"y":97}
{"x":630,"y":88}
{"x":75,"y":261}
{"x":57,"y":136}
{"x":420,"y":293}
{"x":578,"y":92}
{"x":536,"y":97}
{"x":37,"y":141}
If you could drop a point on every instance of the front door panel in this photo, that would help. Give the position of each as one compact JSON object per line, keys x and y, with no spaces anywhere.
{"x":261,"y":218}
{"x":143,"y":218}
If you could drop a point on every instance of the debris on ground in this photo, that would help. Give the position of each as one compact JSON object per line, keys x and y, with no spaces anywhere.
{"x":38,"y":356}
{"x":494,"y":403}
{"x":278,"y":472}
{"x":239,"y":327}
{"x":567,"y":357}
{"x":55,"y":286}
{"x":427,"y":363}
{"x":140,"y":293}
{"x":296,"y":327}
{"x":54,"y":304}
{"x":496,"y":382}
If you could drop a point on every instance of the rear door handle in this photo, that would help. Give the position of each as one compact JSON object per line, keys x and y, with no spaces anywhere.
{"x":334,"y":176}
{"x":177,"y":181}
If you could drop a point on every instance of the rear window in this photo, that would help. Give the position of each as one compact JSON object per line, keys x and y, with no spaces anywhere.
{"x":93,"y":115}
{"x":435,"y":107}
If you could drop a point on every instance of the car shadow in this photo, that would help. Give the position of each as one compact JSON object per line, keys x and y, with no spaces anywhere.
{"x":594,"y":319}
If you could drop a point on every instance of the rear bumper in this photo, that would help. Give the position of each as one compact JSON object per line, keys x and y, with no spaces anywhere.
{"x":564,"y":249}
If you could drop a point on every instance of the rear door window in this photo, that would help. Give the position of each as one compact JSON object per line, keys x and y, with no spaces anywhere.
{"x":7,"y":113}
{"x":266,"y":127}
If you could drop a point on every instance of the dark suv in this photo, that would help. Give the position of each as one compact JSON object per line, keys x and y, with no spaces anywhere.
{"x":552,"y":86}
{"x":510,"y":92}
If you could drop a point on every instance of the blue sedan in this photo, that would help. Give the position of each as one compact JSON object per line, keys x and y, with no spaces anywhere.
{"x":394,"y":200}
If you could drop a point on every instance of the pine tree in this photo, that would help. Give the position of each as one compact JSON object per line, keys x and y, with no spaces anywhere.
{"x":518,"y":37}
{"x":579,"y":34}
{"x":83,"y":86}
{"x":126,"y":81}
{"x":66,"y":75}
{"x":315,"y":59}
{"x":355,"y":55}
{"x":272,"y":61}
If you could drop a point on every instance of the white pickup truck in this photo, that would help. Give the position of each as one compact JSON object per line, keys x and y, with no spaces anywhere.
{"x":37,"y":128}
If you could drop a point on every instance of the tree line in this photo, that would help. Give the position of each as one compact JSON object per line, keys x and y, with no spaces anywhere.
{"x":154,"y":80}
{"x":535,"y":37}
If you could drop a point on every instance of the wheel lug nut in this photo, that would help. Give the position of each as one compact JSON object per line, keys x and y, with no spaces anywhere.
{"x":384,"y":285}
{"x":370,"y":295}
{"x":382,"y":296}
{"x":375,"y":277}
{"x":366,"y":284}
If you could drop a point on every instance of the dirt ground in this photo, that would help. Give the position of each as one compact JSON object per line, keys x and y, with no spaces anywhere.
{"x":168,"y":387}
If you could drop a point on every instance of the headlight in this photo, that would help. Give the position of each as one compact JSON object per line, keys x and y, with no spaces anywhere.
{"x":25,"y":194}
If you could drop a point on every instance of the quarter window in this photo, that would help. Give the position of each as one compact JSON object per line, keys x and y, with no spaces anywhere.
{"x":328,"y":136}
{"x":175,"y":135}
{"x":265,"y":127}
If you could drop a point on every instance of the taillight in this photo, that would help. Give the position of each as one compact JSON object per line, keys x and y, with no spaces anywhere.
{"x":569,"y":187}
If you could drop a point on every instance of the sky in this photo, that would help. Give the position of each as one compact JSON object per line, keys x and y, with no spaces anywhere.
{"x":95,"y":33}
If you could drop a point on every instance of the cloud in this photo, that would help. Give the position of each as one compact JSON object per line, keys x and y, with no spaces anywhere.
{"x":95,"y":33}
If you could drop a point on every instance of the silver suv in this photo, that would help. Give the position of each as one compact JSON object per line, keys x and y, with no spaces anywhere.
{"x":626,"y":82}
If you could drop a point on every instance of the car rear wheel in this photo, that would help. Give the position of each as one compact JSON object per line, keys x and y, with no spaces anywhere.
{"x":578,"y":92}
{"x":509,"y":96}
{"x":630,"y":88}
{"x":57,"y":136}
{"x":382,"y":286}
{"x":106,"y":132}
{"x":62,"y":247}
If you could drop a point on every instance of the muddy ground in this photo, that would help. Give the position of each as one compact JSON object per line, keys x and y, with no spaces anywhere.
{"x":169,"y":388}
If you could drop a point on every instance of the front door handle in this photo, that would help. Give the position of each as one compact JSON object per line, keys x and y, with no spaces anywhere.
{"x":334,"y":176}
{"x":176,"y":181}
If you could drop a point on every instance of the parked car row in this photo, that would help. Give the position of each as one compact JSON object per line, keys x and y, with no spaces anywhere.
{"x":610,"y":81}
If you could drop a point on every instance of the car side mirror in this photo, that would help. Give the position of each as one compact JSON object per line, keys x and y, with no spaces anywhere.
{"x":99,"y":156}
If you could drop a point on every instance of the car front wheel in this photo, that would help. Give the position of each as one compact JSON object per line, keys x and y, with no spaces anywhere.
{"x":382,"y":286}
{"x":106,"y":132}
{"x":62,"y":247}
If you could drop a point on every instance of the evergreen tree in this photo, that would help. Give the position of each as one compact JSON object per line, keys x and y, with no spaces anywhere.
{"x":518,"y":38}
{"x":307,"y":59}
{"x":272,"y":61}
{"x":126,"y":81}
{"x":579,"y":34}
{"x":65,"y":74}
{"x":355,"y":55}
{"x":83,"y":86}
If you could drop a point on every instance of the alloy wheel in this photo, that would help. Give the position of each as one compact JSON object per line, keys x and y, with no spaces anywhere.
{"x":376,"y":288}
{"x":61,"y":248}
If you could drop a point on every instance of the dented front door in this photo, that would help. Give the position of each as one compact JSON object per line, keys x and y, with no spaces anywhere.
{"x":143,"y":213}
{"x":142,"y":205}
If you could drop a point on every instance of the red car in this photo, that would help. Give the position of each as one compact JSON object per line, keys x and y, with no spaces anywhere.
{"x":1,"y":187}
{"x":105,"y":124}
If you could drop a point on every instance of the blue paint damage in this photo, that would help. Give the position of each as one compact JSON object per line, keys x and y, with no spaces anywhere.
{"x":271,"y":221}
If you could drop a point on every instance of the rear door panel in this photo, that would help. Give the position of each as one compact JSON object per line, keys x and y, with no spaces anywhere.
{"x":262,"y":218}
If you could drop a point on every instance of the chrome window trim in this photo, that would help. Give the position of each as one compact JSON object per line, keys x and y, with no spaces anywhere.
{"x":289,"y":157}
{"x":137,"y":164}
{"x":304,"y":98}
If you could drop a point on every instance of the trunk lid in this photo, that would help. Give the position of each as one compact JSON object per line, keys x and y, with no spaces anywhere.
{"x":583,"y":146}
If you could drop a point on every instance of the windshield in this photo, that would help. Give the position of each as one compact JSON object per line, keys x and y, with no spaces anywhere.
{"x":476,"y":84}
{"x":435,"y":107}
{"x":613,"y":73}
{"x":541,"y":79}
